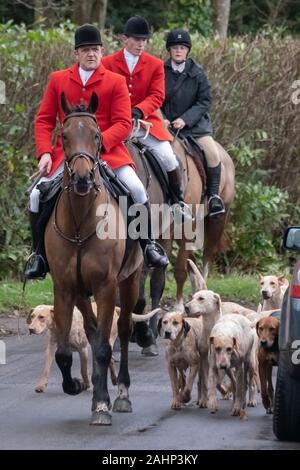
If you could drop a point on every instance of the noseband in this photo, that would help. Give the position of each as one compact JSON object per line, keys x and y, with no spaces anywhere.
{"x":86,"y":155}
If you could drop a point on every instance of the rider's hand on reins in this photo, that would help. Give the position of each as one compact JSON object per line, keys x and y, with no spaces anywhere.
{"x":136,"y":125}
{"x":45,"y":163}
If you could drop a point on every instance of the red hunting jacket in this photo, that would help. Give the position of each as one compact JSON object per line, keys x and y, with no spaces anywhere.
{"x":146,"y":87}
{"x":113,"y":113}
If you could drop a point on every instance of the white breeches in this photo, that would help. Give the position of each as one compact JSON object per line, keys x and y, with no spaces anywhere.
{"x":161,"y":148}
{"x":35,"y":193}
{"x":128,"y":176}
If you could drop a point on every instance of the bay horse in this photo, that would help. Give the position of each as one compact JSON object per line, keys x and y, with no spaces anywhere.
{"x":82,"y":263}
{"x":214,"y":236}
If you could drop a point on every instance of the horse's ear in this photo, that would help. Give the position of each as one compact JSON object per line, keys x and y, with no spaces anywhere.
{"x":93,"y":105}
{"x":65,"y":104}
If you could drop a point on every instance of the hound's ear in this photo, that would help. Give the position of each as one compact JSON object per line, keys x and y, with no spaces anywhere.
{"x":159,"y":325}
{"x":65,"y":104}
{"x":28,"y":319}
{"x":218,"y":301}
{"x":211,"y":341}
{"x":93,"y":104}
{"x":282,"y":280}
{"x":236,"y":346}
{"x":257,"y":326}
{"x":186,"y":327}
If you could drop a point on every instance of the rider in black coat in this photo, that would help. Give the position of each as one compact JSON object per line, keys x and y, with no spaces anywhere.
{"x":186,"y":108}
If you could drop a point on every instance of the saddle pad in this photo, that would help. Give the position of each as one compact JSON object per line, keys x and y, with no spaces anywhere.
{"x":157,"y":169}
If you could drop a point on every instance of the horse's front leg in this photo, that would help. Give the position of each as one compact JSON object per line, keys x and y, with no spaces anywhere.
{"x":63,"y":313}
{"x":102,"y":354}
{"x":129,"y":291}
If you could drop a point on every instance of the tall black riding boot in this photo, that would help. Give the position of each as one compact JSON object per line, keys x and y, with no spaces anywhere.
{"x":215,"y":202}
{"x":154,"y":254}
{"x":36,"y":265}
{"x":182,"y":212}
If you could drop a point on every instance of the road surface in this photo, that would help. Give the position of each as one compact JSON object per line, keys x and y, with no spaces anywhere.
{"x":53,"y":420}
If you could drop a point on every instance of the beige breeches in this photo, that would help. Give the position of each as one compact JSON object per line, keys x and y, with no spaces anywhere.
{"x":211,"y":150}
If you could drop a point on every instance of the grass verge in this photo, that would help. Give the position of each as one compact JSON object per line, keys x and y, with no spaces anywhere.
{"x":241,"y":289}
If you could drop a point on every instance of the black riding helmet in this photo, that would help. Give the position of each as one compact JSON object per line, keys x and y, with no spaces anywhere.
{"x":137,"y":27}
{"x":87,"y":35}
{"x":178,"y":37}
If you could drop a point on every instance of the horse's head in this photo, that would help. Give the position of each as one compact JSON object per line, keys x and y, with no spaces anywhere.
{"x":81,"y":139}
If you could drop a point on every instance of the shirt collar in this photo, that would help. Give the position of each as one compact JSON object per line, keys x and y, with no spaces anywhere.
{"x":178,"y":67}
{"x":85,"y":74}
{"x":130,"y":56}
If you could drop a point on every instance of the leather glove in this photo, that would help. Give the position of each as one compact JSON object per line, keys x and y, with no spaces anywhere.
{"x":136,"y":113}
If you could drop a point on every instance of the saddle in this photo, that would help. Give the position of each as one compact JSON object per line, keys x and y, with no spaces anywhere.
{"x":191,"y":147}
{"x":51,"y":189}
{"x":196,"y":151}
{"x":156,"y":167}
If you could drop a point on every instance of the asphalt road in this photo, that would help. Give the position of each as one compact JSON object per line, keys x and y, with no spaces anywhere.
{"x":53,"y":420}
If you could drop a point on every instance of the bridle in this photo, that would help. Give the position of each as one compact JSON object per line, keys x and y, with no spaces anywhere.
{"x":82,"y":154}
{"x":77,"y":239}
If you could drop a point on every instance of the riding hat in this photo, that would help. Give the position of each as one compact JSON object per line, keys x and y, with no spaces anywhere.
{"x":178,"y":37}
{"x":137,"y":27}
{"x":87,"y":35}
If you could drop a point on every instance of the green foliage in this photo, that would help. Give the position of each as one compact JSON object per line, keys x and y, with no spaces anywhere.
{"x":246,"y":17}
{"x":258,"y":213}
{"x":250,"y":17}
{"x":195,"y":15}
{"x":118,"y":12}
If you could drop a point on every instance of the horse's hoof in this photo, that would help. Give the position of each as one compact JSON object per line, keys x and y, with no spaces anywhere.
{"x":101,"y":418}
{"x":122,"y":405}
{"x":151,"y":351}
{"x":73,"y":388}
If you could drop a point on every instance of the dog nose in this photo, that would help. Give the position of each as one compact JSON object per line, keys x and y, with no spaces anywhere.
{"x":222,"y":366}
{"x":186,"y":309}
{"x":264,"y":343}
{"x":265,"y":294}
{"x":31,"y":331}
{"x":167,"y":335}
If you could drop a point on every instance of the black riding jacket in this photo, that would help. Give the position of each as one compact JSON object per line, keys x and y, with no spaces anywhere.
{"x":188,"y":96}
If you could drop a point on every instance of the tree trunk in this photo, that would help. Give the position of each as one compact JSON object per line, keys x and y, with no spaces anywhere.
{"x":81,"y":12}
{"x":44,"y":12}
{"x":221,"y":12}
{"x":99,"y":12}
{"x":87,"y":11}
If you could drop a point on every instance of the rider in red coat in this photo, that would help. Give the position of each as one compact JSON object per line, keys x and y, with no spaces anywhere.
{"x":144,"y":75}
{"x":78,"y":83}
